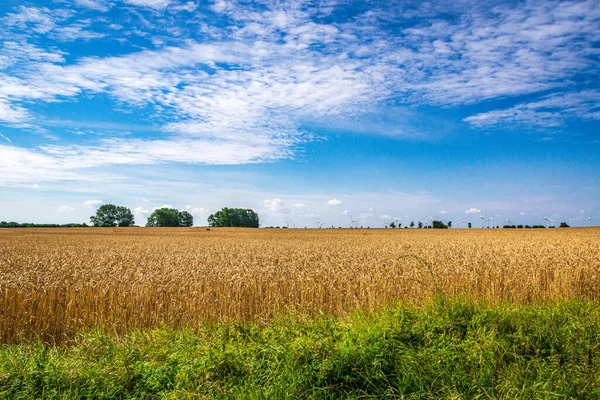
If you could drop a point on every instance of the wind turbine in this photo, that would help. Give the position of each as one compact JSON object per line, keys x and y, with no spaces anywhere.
{"x":353,"y":222}
{"x":545,"y":220}
{"x":488,"y":220}
{"x":552,"y":222}
{"x":589,"y":221}
{"x":319,"y":223}
{"x":465,"y":222}
{"x":482,"y":218}
{"x":492,"y":218}
{"x":506,"y":220}
{"x":430,"y":220}
{"x":571,"y":222}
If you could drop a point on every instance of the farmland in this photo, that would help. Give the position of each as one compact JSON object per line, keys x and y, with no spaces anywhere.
{"x":273,"y":313}
{"x":53,"y":283}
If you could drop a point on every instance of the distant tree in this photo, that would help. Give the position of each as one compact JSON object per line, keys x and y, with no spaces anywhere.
{"x":164,"y":217}
{"x":111,"y":215}
{"x":412,"y":224}
{"x":449,"y":224}
{"x":185,"y":218}
{"x":399,"y":225}
{"x":238,"y":217}
{"x":564,"y":225}
{"x":392,"y":225}
{"x":5,"y":224}
{"x":470,"y":225}
{"x":520,"y":226}
{"x":439,"y":225}
{"x":420,"y":224}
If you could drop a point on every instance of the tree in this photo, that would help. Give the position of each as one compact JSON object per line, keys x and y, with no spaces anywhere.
{"x":163,"y":217}
{"x":399,"y":225}
{"x":412,"y":224}
{"x":564,"y":225}
{"x":439,"y":225}
{"x":392,"y":225}
{"x":449,"y":224}
{"x":238,"y":217}
{"x":470,"y":225}
{"x":185,"y":218}
{"x":420,"y":224}
{"x":111,"y":215}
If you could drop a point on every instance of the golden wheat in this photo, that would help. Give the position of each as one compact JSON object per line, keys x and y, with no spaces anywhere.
{"x":56,"y":282}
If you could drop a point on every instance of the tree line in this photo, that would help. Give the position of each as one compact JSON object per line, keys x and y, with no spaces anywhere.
{"x":110,"y":215}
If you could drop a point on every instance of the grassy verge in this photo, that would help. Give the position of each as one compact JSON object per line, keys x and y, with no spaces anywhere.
{"x":445,"y":350}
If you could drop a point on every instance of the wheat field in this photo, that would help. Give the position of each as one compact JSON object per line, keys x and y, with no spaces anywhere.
{"x":53,"y":283}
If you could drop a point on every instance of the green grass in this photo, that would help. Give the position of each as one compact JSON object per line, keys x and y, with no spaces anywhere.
{"x":445,"y":350}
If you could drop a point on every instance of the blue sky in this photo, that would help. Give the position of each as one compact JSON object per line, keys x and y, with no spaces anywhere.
{"x":302,"y":110}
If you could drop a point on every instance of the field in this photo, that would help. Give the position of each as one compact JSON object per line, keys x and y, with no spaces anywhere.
{"x":53,"y":283}
{"x":273,"y":313}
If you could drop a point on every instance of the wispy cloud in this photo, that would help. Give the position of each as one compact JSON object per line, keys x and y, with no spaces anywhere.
{"x":550,"y":111}
{"x":5,"y":138}
{"x":92,"y":203}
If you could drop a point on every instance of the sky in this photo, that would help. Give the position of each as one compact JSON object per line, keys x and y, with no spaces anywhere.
{"x":309,"y":112}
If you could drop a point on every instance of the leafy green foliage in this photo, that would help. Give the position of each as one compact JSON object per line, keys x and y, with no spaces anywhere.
{"x":239,"y":217}
{"x":445,"y":350}
{"x":110,"y":215}
{"x":185,"y":218}
{"x":564,"y":225}
{"x":164,"y":217}
{"x":439,"y":225}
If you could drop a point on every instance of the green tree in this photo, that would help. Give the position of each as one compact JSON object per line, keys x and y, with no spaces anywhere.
{"x":412,"y":224}
{"x":164,"y":217}
{"x":470,"y":225}
{"x":564,"y":225}
{"x":420,"y":224}
{"x":185,"y":218}
{"x":238,"y":217}
{"x":111,"y":215}
{"x":449,"y":224}
{"x":439,"y":225}
{"x":392,"y":225}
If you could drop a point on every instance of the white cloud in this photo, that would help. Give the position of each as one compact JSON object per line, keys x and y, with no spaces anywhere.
{"x":443,"y":212}
{"x":200,"y":210}
{"x":163,"y":206}
{"x":274,"y":206}
{"x":154,"y":4}
{"x":345,"y":212}
{"x":65,"y":209}
{"x":141,"y":211}
{"x":92,"y":203}
{"x":99,"y":5}
{"x":334,"y":202}
{"x":522,"y":213}
{"x":473,"y":210}
{"x":550,"y":111}
{"x":5,"y":138}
